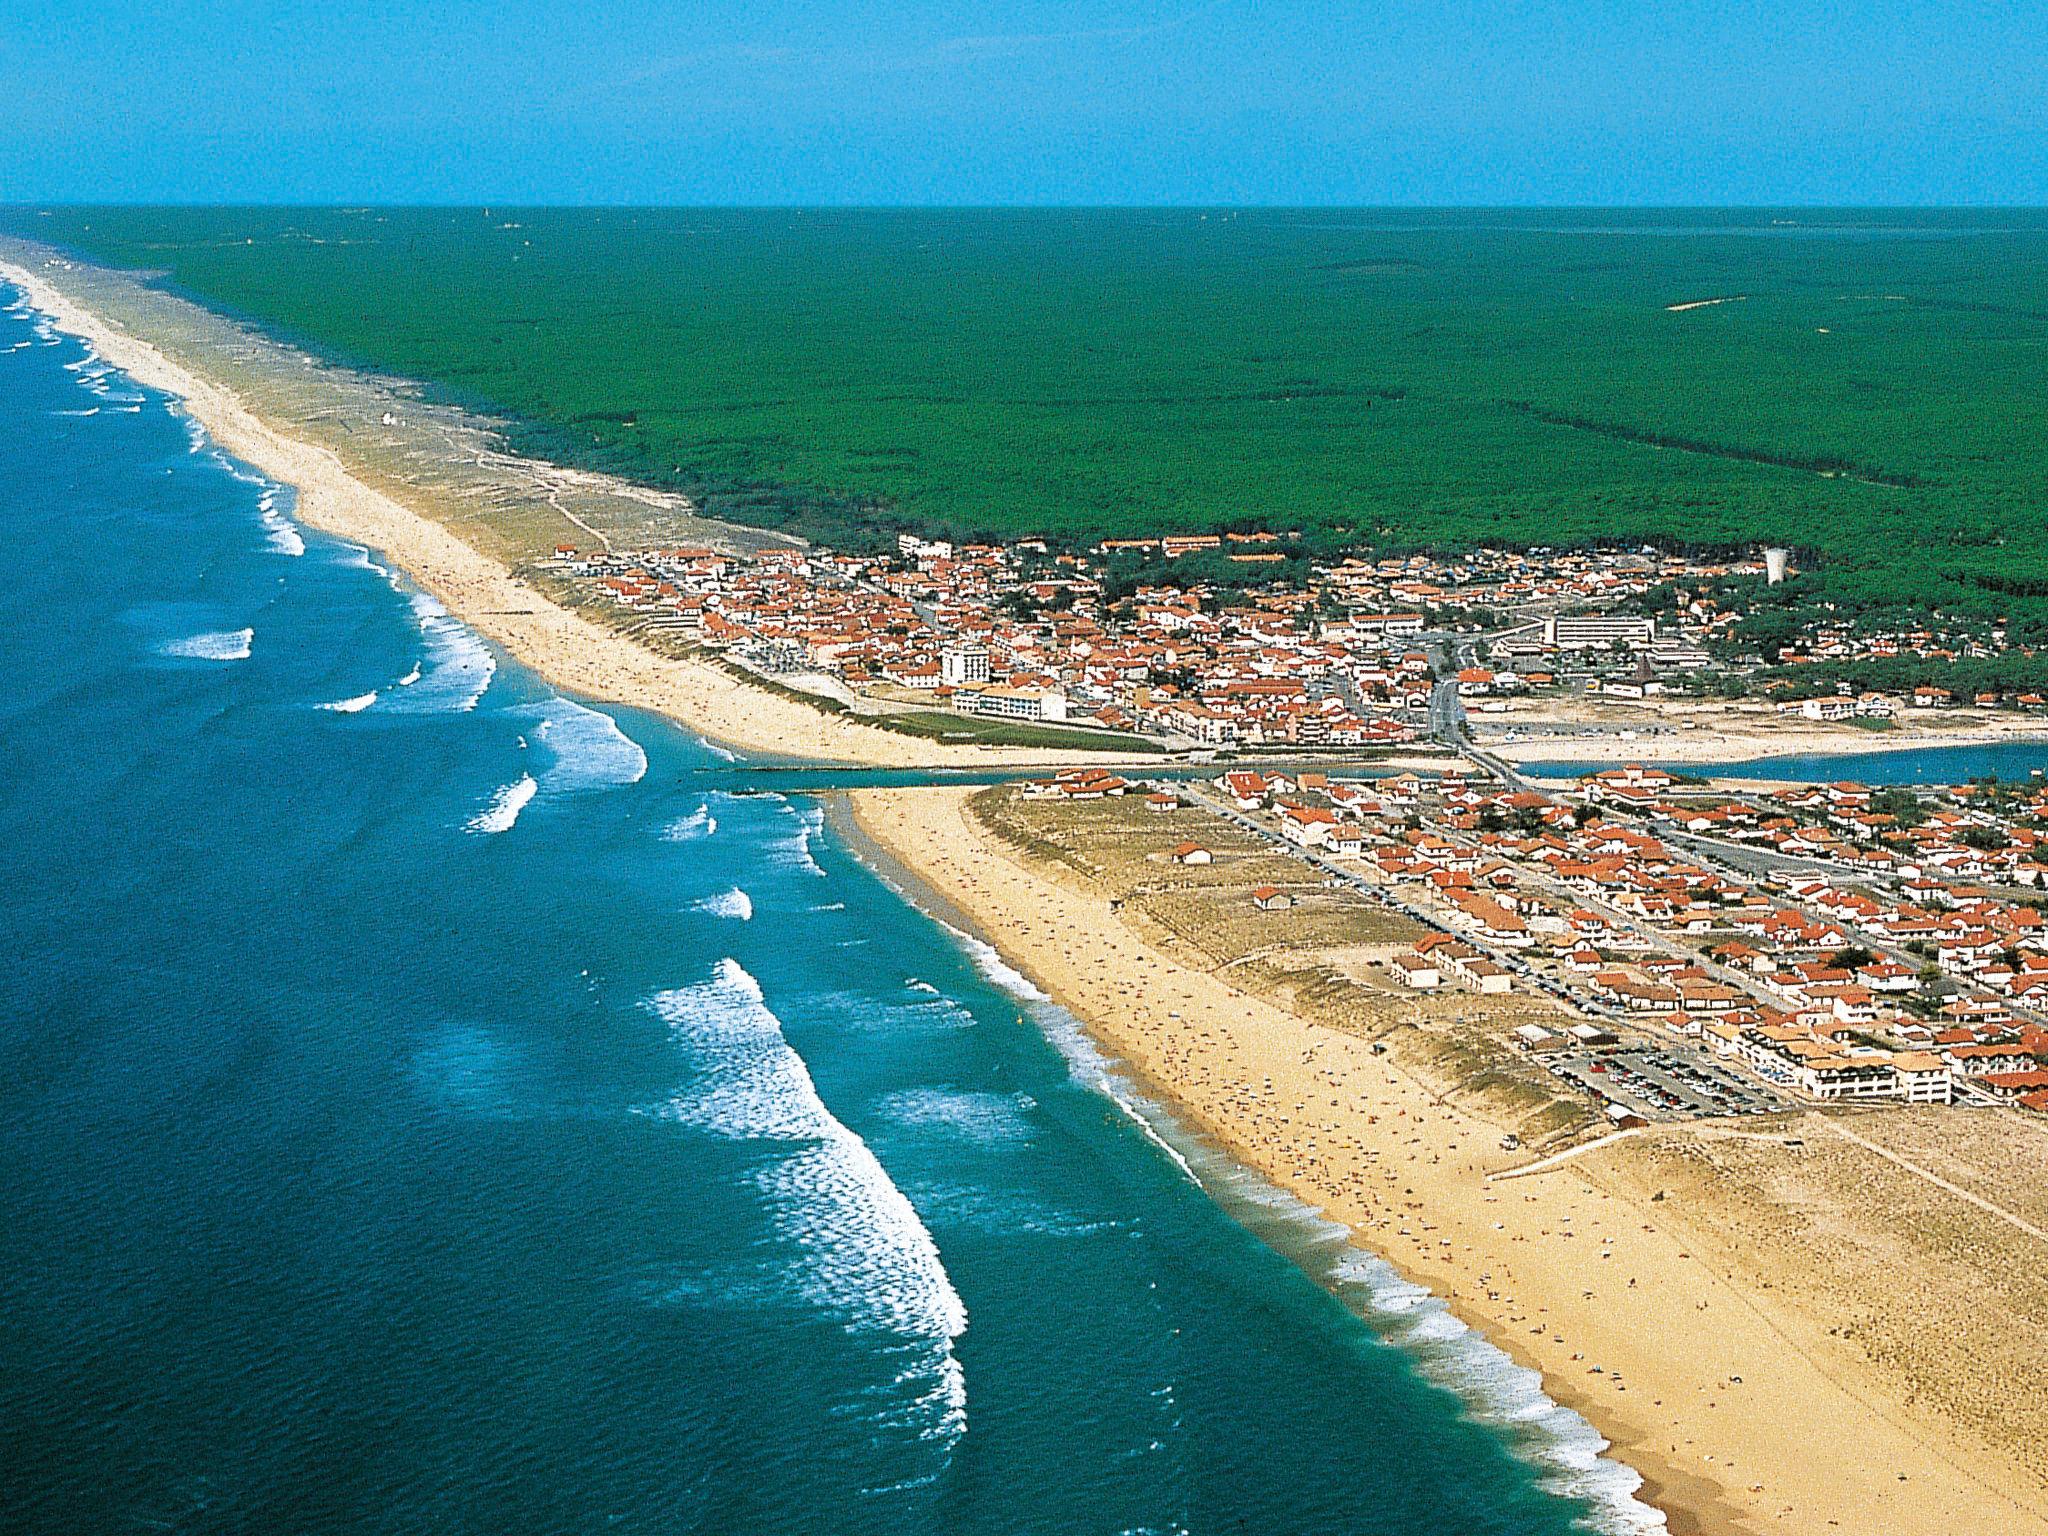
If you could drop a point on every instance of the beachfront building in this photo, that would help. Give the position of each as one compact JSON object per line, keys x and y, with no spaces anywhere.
{"x":1017,"y":703}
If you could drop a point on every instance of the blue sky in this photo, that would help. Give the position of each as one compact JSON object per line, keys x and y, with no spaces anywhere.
{"x":1039,"y":101}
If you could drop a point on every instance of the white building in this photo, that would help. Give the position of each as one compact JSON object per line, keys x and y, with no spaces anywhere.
{"x":963,"y":666}
{"x":1596,"y":631}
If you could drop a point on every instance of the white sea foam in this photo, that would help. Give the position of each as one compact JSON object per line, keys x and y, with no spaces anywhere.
{"x":283,"y":537}
{"x":505,"y":806}
{"x":1497,"y":1391}
{"x":1003,"y":1212}
{"x":354,"y":706}
{"x":861,"y":1254}
{"x":687,"y":829}
{"x":588,"y":748}
{"x":733,"y":902}
{"x":195,"y":435}
{"x":961,"y":1114}
{"x":219,"y":645}
{"x":794,"y":850}
{"x":458,"y":665}
{"x":90,"y":410}
{"x":361,"y":556}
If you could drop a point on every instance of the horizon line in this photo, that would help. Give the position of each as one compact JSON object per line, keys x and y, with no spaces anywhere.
{"x":44,"y":205}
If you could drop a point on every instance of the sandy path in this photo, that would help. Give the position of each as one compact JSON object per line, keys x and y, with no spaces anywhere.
{"x":1741,"y":1414}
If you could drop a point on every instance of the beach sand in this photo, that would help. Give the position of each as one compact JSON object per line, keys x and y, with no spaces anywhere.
{"x":1684,"y":732}
{"x":1569,"y":1269}
{"x":1731,"y":1396}
{"x":478,"y":585}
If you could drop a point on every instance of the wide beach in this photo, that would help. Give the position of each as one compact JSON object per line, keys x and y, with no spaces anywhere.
{"x":1739,"y":1406}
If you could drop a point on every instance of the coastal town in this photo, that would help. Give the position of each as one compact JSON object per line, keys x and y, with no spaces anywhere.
{"x":1708,"y":952}
{"x":1230,"y":642}
{"x":1710,"y":948}
{"x":1645,"y":1139}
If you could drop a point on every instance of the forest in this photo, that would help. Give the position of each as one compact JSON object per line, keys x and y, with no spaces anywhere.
{"x":1864,"y":387}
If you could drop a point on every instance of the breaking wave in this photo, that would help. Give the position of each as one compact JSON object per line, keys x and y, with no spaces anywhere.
{"x":687,"y":829}
{"x":359,"y":555}
{"x":587,"y":747}
{"x":860,"y":1252}
{"x":505,"y":806}
{"x":282,"y":535}
{"x":734,"y":903}
{"x":220,"y":645}
{"x":354,"y":706}
{"x":458,"y":665}
{"x":794,"y":851}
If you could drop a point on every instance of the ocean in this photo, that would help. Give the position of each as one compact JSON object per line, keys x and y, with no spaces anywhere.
{"x":433,"y":1102}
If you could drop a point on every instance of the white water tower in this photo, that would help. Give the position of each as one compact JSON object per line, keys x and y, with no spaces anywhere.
{"x":1777,"y":565}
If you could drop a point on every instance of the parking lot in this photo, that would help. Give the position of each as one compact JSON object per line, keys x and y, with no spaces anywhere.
{"x":1664,"y":1084}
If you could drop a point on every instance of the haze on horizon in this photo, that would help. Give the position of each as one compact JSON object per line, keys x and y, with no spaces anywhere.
{"x":1034,"y":102}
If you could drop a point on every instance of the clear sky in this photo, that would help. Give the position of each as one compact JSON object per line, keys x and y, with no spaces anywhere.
{"x":1032,"y":101}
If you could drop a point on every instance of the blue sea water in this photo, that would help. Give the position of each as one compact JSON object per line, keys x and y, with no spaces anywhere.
{"x":428,"y":1106}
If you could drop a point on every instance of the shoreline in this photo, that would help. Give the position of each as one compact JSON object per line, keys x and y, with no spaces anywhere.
{"x":1243,"y":1190}
{"x":562,"y":646}
{"x":1811,"y":1442}
{"x":589,"y":660}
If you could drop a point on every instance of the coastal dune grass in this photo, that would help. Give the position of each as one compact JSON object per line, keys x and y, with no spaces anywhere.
{"x":1864,"y":386}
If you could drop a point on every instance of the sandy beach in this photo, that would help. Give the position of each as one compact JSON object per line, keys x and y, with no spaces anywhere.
{"x":1738,"y":1404}
{"x":1732,"y":1394}
{"x":1691,"y":733}
{"x":337,"y":497}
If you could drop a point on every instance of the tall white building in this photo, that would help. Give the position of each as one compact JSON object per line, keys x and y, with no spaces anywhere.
{"x":962,"y":666}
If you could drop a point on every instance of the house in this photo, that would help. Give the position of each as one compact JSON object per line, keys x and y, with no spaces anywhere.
{"x":2007,"y":1087}
{"x":1848,"y":1077}
{"x":1887,"y":976}
{"x":1193,"y":853}
{"x":1349,"y":841}
{"x":1923,"y":1078}
{"x":1828,"y":709}
{"x":1981,"y":1060}
{"x":1162,"y":803}
{"x":1307,"y":826}
{"x":1417,"y":971}
{"x":1270,"y":898}
{"x":1485,"y":977}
